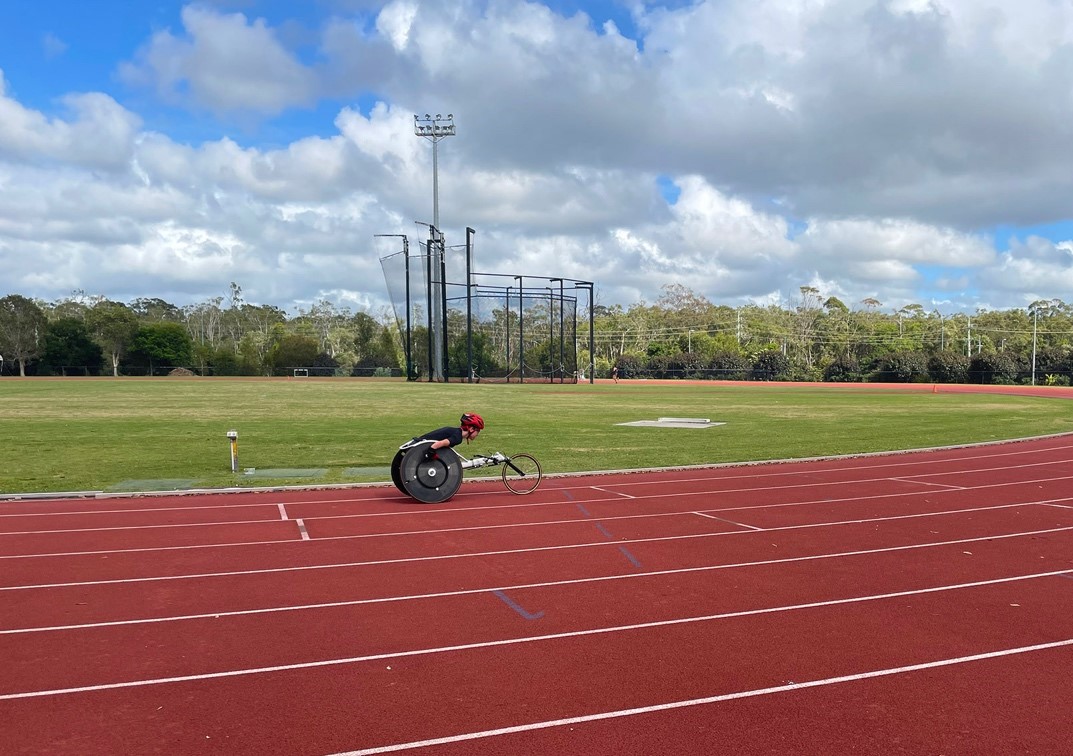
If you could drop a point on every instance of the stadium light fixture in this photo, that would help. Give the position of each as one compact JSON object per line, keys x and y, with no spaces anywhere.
{"x":435,"y":129}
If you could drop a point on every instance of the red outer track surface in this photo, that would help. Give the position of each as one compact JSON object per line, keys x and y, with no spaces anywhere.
{"x":909,"y":603}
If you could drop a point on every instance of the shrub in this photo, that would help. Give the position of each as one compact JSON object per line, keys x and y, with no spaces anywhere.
{"x":902,"y":367}
{"x":729,"y":366}
{"x":843,"y":369}
{"x":771,"y":365}
{"x":629,"y":366}
{"x":948,"y":367}
{"x":994,"y":368}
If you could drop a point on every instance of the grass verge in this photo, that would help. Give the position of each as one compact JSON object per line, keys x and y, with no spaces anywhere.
{"x":99,"y":434}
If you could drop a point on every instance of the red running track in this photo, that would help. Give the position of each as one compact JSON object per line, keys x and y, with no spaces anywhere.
{"x":906,"y":603}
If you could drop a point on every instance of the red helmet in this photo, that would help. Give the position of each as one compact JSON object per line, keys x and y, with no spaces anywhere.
{"x":471,"y":420}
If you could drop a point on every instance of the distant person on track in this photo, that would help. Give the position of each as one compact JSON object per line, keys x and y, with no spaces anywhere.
{"x":470,"y":426}
{"x":614,"y":373}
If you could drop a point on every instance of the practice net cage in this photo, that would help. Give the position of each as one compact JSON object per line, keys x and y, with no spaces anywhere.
{"x":498,"y":328}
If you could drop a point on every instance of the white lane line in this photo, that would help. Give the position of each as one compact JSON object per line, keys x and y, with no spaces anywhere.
{"x":910,"y":479}
{"x":523,"y":586}
{"x":709,"y":700}
{"x":724,"y":519}
{"x":498,"y":643}
{"x":302,"y":529}
{"x":282,"y":511}
{"x":586,"y":544}
{"x":632,"y":480}
{"x":799,"y":503}
{"x":613,"y":493}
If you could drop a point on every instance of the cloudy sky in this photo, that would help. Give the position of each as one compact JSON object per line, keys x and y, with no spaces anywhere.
{"x":911,"y":151}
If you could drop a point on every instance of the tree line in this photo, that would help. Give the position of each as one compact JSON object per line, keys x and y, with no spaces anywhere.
{"x":818,"y":338}
{"x":91,"y":335}
{"x":681,"y":335}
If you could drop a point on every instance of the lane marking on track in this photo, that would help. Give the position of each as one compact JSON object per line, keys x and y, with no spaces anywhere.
{"x":724,"y":519}
{"x":909,"y":479}
{"x":588,"y":544}
{"x":525,"y":586}
{"x":302,"y":529}
{"x":714,"y":492}
{"x":613,"y":493}
{"x":607,"y":534}
{"x":282,"y":511}
{"x":507,"y":600}
{"x":708,"y":700}
{"x":659,"y":496}
{"x":800,"y":503}
{"x":633,"y":560}
{"x":1060,"y":506}
{"x":833,"y":468}
{"x":518,"y":641}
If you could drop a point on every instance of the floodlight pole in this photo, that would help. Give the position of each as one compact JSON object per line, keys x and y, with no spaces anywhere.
{"x":435,"y":129}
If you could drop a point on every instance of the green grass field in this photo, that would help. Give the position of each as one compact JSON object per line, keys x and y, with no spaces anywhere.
{"x":102,"y":434}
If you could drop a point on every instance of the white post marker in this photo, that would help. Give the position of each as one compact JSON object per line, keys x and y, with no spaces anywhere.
{"x":232,"y":436}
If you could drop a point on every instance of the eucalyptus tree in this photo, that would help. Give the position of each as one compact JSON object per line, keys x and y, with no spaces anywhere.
{"x":113,"y":327}
{"x":22,"y":329}
{"x":155,"y":310}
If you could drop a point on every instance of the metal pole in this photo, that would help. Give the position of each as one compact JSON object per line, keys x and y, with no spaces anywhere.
{"x":573,"y":324}
{"x":232,"y":437}
{"x":436,"y":183}
{"x":1035,"y":322}
{"x":409,"y":345}
{"x":562,"y":357}
{"x":469,"y":298}
{"x":442,"y":248}
{"x":435,"y":129}
{"x":592,"y":339}
{"x":506,"y":327}
{"x":562,"y":346}
{"x":521,"y":328}
{"x":551,"y":330}
{"x":428,"y":304}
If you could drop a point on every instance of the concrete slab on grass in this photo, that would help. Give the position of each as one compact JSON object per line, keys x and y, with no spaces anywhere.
{"x":160,"y":484}
{"x":674,"y":422}
{"x":351,"y":472}
{"x":284,"y":472}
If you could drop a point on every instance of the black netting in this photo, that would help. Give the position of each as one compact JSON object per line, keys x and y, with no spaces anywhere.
{"x":501,"y":328}
{"x":516,"y":336}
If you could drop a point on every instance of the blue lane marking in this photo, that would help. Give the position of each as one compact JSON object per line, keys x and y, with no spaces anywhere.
{"x":506,"y":600}
{"x":568,"y":495}
{"x":628,"y":555}
{"x":1068,"y":575}
{"x":606,"y":534}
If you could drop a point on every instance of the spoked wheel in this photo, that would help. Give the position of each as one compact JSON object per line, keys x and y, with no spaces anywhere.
{"x":521,"y":474}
